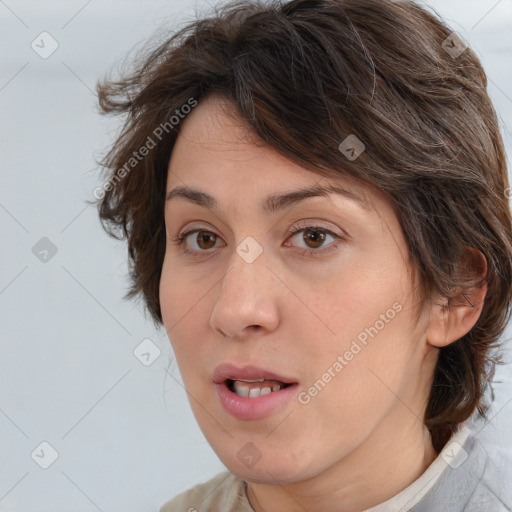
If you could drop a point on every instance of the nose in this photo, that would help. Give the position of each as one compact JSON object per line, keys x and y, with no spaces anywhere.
{"x":247,"y":301}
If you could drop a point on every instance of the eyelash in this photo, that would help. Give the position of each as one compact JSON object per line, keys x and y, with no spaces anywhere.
{"x":296,"y":228}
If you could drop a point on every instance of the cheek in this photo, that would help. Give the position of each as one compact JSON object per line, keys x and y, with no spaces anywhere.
{"x":365,"y":343}
{"x":181,"y":292}
{"x":354,"y":300}
{"x":180,"y":304}
{"x":170,"y":294}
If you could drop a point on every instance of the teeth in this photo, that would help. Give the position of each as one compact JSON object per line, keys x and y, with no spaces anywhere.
{"x":253,"y":392}
{"x":241,"y":390}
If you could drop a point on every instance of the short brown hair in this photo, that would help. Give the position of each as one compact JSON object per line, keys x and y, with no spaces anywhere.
{"x":304,"y":75}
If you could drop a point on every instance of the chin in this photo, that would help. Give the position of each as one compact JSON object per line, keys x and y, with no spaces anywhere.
{"x":267,"y":474}
{"x":269,"y":470}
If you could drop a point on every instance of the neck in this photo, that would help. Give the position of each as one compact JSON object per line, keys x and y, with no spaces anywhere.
{"x":382,"y":466}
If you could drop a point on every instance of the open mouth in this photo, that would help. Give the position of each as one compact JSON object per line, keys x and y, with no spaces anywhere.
{"x":252,"y":393}
{"x":252,"y":388}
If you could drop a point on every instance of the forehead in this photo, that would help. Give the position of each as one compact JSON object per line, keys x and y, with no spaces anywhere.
{"x":216,"y":149}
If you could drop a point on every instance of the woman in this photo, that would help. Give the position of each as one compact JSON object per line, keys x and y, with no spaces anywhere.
{"x":314,"y":195}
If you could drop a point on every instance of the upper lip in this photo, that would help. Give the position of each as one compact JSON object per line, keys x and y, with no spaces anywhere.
{"x":230,"y":371}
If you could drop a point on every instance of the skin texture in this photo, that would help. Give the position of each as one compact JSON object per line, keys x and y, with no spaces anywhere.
{"x":361,"y":439}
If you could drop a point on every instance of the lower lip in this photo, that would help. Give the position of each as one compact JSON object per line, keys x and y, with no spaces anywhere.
{"x":245,"y":408}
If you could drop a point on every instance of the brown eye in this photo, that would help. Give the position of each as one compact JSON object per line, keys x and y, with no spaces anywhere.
{"x":313,"y":238}
{"x":197,"y":245}
{"x":205,"y":240}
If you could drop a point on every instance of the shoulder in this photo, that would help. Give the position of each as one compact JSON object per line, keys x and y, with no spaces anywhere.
{"x":478,"y":479}
{"x":224,"y":492}
{"x":494,"y":491}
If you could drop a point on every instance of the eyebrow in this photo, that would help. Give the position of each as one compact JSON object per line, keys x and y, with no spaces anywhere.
{"x":272,"y":203}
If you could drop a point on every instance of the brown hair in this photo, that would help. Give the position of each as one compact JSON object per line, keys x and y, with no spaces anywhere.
{"x":305,"y":75}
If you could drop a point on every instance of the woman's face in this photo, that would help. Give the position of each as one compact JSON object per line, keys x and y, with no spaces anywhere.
{"x":309,"y":296}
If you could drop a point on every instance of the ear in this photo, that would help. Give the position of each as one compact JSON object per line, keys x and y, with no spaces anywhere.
{"x":450,"y":320}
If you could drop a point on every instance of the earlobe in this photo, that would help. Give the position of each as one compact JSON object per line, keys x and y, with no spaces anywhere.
{"x":451,"y":320}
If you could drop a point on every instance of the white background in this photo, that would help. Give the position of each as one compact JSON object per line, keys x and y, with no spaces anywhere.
{"x":124,"y":433}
